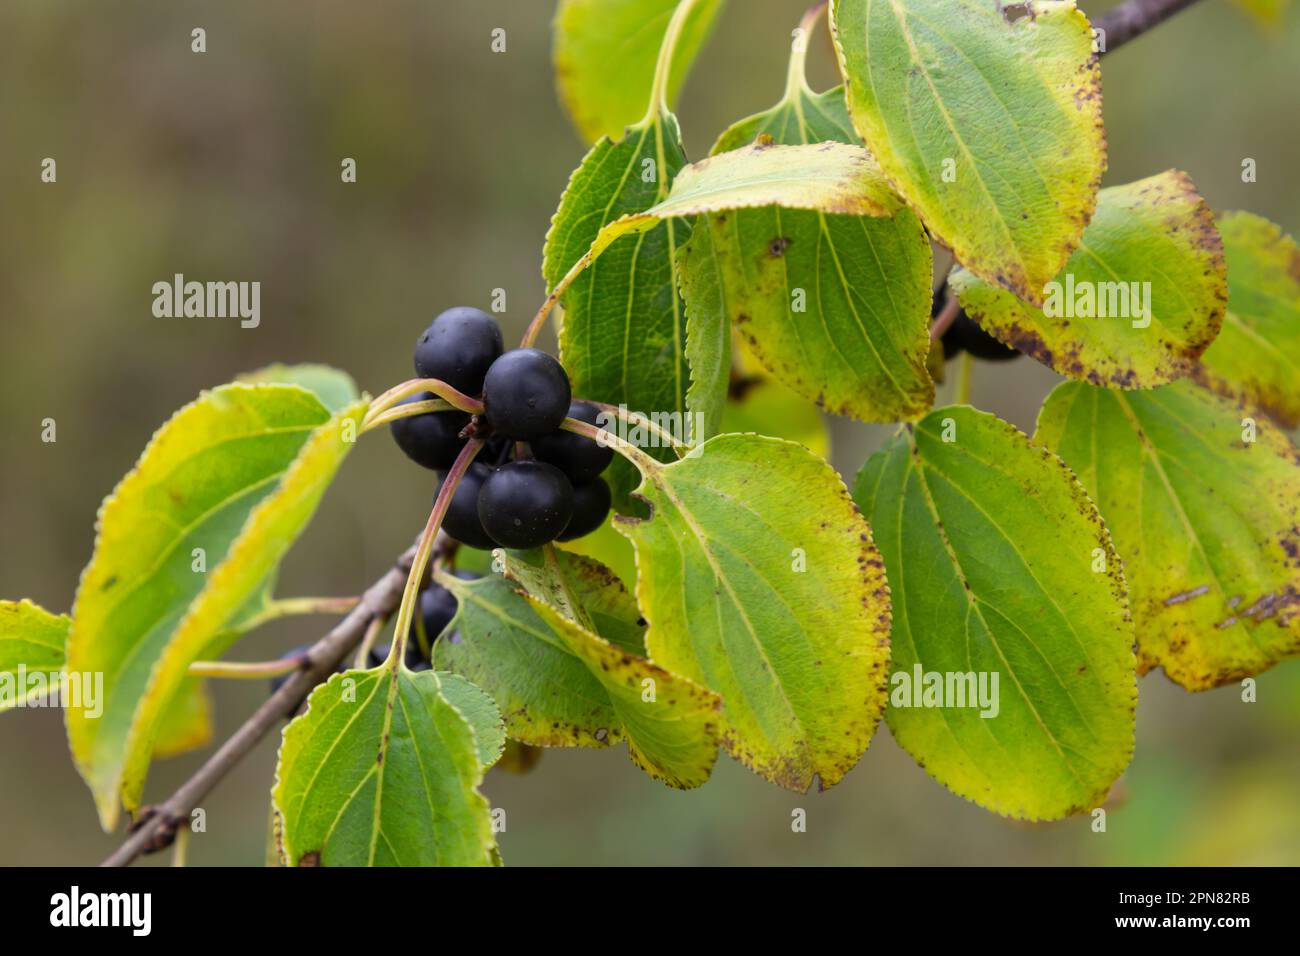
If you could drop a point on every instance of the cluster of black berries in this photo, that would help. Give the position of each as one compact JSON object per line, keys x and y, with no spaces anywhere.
{"x":965,"y":335}
{"x":557,"y":494}
{"x":434,"y":613}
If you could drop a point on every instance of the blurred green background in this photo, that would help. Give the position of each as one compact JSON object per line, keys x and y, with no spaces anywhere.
{"x":226,"y":166}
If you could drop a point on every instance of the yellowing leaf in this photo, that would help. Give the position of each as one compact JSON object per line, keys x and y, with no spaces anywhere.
{"x":186,"y":539}
{"x":33,"y":639}
{"x":605,"y":53}
{"x":1257,"y":355}
{"x":990,"y":130}
{"x":562,"y":655}
{"x":759,"y":581}
{"x":1205,"y":512}
{"x":1000,"y":570}
{"x":835,"y":306}
{"x":1140,"y":299}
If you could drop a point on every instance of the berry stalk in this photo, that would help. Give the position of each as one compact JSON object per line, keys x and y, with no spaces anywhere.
{"x":424,"y":548}
{"x":406,"y":410}
{"x":452,"y":396}
{"x":947,"y":315}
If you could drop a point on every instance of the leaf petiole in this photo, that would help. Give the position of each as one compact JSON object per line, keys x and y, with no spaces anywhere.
{"x":362,"y":660}
{"x":636,"y":418}
{"x":239,"y":670}
{"x":664,"y":64}
{"x":644,"y":463}
{"x":796,"y":82}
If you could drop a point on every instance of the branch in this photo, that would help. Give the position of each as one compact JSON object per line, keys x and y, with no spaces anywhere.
{"x":157,"y":826}
{"x":1134,"y":18}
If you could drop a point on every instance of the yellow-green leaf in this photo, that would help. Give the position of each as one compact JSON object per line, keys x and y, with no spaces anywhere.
{"x":185,"y":540}
{"x":835,"y":306}
{"x":562,"y":655}
{"x":1257,"y":354}
{"x":990,"y":130}
{"x":605,"y":53}
{"x":31,"y":638}
{"x":186,"y":722}
{"x":335,"y":388}
{"x":1140,"y":299}
{"x":1203,"y":499}
{"x":1000,"y":570}
{"x":759,"y":581}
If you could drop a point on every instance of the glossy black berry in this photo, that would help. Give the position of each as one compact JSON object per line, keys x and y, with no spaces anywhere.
{"x":459,"y":347}
{"x":525,"y":504}
{"x":461,"y":521}
{"x":579,"y":457}
{"x":525,"y":394}
{"x":591,"y":501}
{"x":433,"y":439}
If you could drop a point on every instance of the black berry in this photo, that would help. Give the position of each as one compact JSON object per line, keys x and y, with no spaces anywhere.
{"x":461,"y":521}
{"x":525,"y":504}
{"x":525,"y":394}
{"x":432,"y":439}
{"x":579,"y":457}
{"x":458,"y":348}
{"x":591,"y":501}
{"x":437,"y":606}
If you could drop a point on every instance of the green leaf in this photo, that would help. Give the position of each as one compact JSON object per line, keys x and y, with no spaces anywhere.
{"x":480,"y":712}
{"x":333,"y":387}
{"x":382,"y":770}
{"x":605,"y":53}
{"x":34,"y":639}
{"x":237,"y":473}
{"x":560,"y":683}
{"x":547,"y":696}
{"x":1205,"y":520}
{"x":835,"y":306}
{"x":624,"y":332}
{"x":708,"y":331}
{"x":623,"y":338}
{"x":1257,"y":355}
{"x":1140,"y":299}
{"x":990,"y":130}
{"x":669,"y":722}
{"x":759,"y":581}
{"x":993,"y":551}
{"x":31,"y":638}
